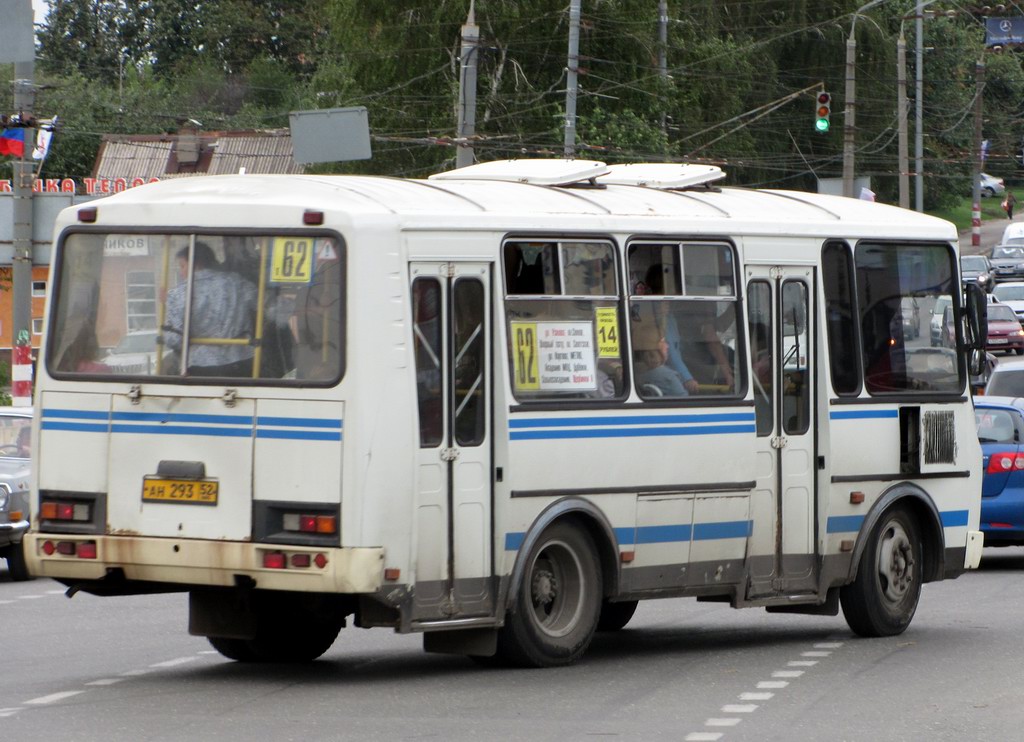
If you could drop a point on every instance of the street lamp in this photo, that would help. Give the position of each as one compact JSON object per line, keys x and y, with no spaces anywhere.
{"x":850,"y":106}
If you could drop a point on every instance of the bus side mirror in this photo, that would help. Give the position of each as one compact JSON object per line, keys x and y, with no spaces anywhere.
{"x":976,"y":307}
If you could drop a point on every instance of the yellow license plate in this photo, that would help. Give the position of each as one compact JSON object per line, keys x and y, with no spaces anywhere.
{"x":196,"y":491}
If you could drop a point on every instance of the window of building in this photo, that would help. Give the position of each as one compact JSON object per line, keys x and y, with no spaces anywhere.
{"x":37,"y":326}
{"x":563,"y":309}
{"x":140,"y":300}
{"x":38,"y":288}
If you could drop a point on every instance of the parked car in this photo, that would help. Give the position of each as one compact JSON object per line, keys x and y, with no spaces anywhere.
{"x":992,"y":186}
{"x":1007,"y":262}
{"x":1000,"y":424}
{"x":15,"y":461}
{"x":1007,"y":379}
{"x":977,"y":269}
{"x":1012,"y":295}
{"x":135,"y":354}
{"x":938,"y":312}
{"x":1013,"y":234}
{"x":1004,"y":330}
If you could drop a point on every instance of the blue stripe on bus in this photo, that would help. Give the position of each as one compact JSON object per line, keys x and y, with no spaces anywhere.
{"x":844,"y":523}
{"x":76,"y":414}
{"x":861,"y":414}
{"x":853,"y":523}
{"x":631,"y":432}
{"x":663,"y":534}
{"x":954,"y":518}
{"x":182,"y":430}
{"x":76,"y":427}
{"x":564,"y":422}
{"x":299,"y":422}
{"x":305,"y":435}
{"x":180,"y":417}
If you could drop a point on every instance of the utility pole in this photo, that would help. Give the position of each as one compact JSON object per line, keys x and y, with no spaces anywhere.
{"x":919,"y":105}
{"x":849,"y":117}
{"x":465,"y":154}
{"x":21,"y":269}
{"x":663,"y":54}
{"x":901,"y":105}
{"x":572,"y":82}
{"x":979,"y":87}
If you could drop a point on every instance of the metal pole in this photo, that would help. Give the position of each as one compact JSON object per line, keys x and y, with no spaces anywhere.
{"x":465,"y":155}
{"x":663,"y":54}
{"x":901,"y":106}
{"x":919,"y":108}
{"x":979,"y":87}
{"x":21,"y":269}
{"x":572,"y":83}
{"x":850,"y":108}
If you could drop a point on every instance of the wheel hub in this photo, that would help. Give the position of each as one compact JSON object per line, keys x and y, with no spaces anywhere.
{"x":896,"y":563}
{"x":545,"y":587}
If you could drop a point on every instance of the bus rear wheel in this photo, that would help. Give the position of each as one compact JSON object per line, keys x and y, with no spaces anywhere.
{"x":558,"y":604}
{"x":883,"y":598}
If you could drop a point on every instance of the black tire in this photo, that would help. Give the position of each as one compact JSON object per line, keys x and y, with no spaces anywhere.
{"x":16,"y":566}
{"x":615,"y":616}
{"x":883,"y":598}
{"x":285,"y":632}
{"x":1019,"y":351}
{"x":558,"y":604}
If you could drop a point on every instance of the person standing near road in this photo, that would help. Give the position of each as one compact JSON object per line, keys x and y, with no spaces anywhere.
{"x":1008,"y":203}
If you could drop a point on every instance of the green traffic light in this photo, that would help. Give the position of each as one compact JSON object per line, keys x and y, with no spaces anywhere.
{"x":821,"y":125}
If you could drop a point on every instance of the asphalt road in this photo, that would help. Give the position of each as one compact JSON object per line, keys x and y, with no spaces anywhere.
{"x":125,"y":669}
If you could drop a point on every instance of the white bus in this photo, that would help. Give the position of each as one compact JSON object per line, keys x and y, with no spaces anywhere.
{"x":500,"y":406}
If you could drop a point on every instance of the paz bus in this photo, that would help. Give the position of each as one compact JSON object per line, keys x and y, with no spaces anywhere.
{"x":500,"y":406}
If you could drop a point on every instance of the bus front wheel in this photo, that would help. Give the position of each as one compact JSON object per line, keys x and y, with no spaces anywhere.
{"x":558,"y":604}
{"x":883,"y":598}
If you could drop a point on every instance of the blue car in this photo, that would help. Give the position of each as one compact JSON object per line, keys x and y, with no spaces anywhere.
{"x":1000,"y":423}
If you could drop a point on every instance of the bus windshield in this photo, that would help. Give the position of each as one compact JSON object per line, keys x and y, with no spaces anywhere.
{"x":244,"y":306}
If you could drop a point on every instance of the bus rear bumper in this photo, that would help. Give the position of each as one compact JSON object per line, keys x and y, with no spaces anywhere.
{"x":188,"y":563}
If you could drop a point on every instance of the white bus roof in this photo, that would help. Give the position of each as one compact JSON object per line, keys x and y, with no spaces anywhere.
{"x":602,"y":203}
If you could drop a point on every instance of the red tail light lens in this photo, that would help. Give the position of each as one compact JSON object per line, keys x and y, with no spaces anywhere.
{"x":64,"y":510}
{"x":87,"y":550}
{"x":274,"y":560}
{"x":309,"y":523}
{"x":1000,"y":463}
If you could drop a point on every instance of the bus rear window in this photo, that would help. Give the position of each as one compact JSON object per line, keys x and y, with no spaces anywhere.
{"x":239,"y":307}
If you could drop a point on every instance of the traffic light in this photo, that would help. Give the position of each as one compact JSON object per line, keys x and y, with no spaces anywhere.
{"x":823,"y":109}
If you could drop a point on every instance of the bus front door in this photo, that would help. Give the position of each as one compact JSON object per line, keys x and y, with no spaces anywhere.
{"x":451,"y":337}
{"x":782,"y":353}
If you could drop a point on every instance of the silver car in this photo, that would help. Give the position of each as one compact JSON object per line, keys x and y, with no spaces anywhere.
{"x":15,"y":469}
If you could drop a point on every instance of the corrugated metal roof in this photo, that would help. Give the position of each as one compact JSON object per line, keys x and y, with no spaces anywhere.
{"x":123,"y":158}
{"x":257,"y":154}
{"x":221,"y":153}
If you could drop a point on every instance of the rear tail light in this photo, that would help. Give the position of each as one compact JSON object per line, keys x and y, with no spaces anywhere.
{"x":65,"y":510}
{"x":303,"y":523}
{"x":293,"y":560}
{"x":1000,"y":463}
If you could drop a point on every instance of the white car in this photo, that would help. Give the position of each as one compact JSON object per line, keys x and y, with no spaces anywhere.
{"x":135,"y":354}
{"x":1013,"y":234}
{"x":1011,"y":294}
{"x":15,"y":468}
{"x":991,"y":186}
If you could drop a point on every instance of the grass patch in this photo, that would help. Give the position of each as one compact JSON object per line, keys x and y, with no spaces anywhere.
{"x":960,"y":214}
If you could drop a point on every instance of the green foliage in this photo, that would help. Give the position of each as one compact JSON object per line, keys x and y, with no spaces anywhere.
{"x":740,"y":85}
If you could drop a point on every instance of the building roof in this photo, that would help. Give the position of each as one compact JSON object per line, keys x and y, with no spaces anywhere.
{"x":191,"y":152}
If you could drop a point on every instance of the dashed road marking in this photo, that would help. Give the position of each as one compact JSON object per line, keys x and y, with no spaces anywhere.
{"x":135,"y":673}
{"x":10,"y":711}
{"x":54,"y":697}
{"x":5,"y":602}
{"x":106,"y":681}
{"x":30,"y":597}
{"x":174,"y":662}
{"x":55,"y":592}
{"x":764,"y":687}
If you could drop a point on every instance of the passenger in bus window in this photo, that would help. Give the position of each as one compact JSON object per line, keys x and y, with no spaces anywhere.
{"x":655,"y":282}
{"x":315,"y":324}
{"x":223,"y":308}
{"x":650,"y":352}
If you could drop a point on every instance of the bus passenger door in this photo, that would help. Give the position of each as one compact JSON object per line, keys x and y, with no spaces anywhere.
{"x":783,"y":356}
{"x":451,"y":337}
